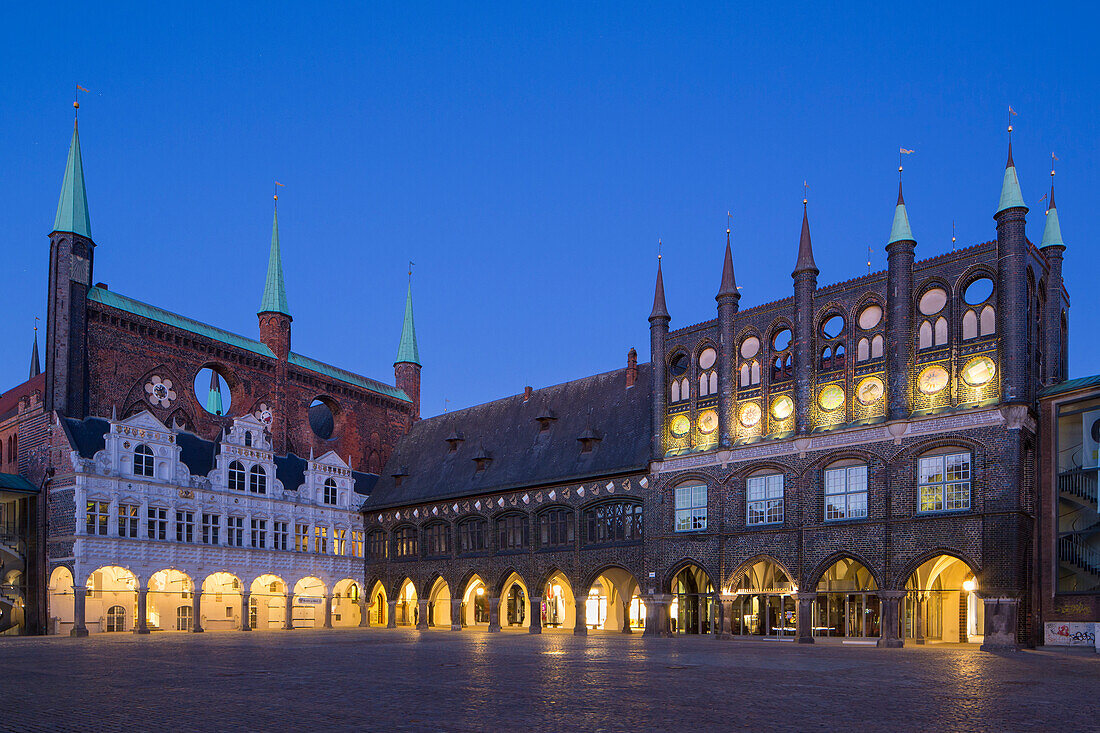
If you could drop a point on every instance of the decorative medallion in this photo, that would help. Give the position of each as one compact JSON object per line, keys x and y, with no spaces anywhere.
{"x":870,"y":391}
{"x":831,"y":398}
{"x":500,"y":501}
{"x":708,"y":422}
{"x":644,"y":482}
{"x":979,"y":371}
{"x":680,"y":426}
{"x":610,"y":486}
{"x":782,"y":407}
{"x":552,"y":495}
{"x":932,"y":380}
{"x":455,"y":507}
{"x":160,"y":392}
{"x":263,"y":413}
{"x":580,"y":491}
{"x":749,"y":414}
{"x":435,"y":511}
{"x":526,"y":499}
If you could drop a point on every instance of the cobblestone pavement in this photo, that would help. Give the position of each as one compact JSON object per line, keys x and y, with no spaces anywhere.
{"x":376,"y":679}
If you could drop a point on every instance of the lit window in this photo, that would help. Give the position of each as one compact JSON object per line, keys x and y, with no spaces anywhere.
{"x":765,"y":499}
{"x":404,"y":541}
{"x":944,"y":482}
{"x":691,"y":507}
{"x":356,"y":544}
{"x":143,"y":461}
{"x":846,"y":492}
{"x":339,"y":542}
{"x":128,"y":520}
{"x":96,"y":520}
{"x":376,"y":544}
{"x":301,"y":538}
{"x":320,"y":540}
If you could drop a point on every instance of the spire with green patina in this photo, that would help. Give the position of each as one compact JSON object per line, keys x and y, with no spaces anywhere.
{"x":407,"y":350}
{"x":214,"y":395}
{"x":274,"y":300}
{"x":72,"y":206}
{"x":900,"y":231}
{"x":1011,"y":197}
{"x":1052,"y":232}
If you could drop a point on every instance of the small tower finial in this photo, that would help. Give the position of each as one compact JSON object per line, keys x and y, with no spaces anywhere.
{"x":805,"y":194}
{"x":952,"y":235}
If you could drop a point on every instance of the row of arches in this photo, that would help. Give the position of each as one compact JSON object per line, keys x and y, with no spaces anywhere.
{"x":113,"y":599}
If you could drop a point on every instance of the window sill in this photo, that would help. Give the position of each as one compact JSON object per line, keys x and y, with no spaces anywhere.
{"x":940,"y":512}
{"x":615,"y":543}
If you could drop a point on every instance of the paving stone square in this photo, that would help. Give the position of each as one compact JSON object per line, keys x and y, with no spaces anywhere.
{"x":378,"y":679}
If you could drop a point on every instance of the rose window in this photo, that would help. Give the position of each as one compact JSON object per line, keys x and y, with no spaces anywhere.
{"x":263,"y":413}
{"x":160,"y":392}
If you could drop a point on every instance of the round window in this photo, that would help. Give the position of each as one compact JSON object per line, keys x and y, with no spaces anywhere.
{"x":933,"y":301}
{"x":782,"y":340}
{"x":870,"y":316}
{"x":979,"y":371}
{"x":832,"y":327}
{"x":870,"y":391}
{"x":707,"y":358}
{"x":750,"y":347}
{"x":782,"y":407}
{"x":212,"y":391}
{"x":679,"y":365}
{"x":978,"y":291}
{"x":749,"y":414}
{"x":322,"y":419}
{"x":831,"y":398}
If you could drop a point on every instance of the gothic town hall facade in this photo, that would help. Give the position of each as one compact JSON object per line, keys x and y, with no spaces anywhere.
{"x":851,"y":462}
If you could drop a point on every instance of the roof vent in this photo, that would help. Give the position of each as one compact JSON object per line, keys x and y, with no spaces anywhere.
{"x":527,"y":393}
{"x":588,"y":440}
{"x":453,"y":441}
{"x":482,"y":459}
{"x":399,"y":473}
{"x":545,"y":418}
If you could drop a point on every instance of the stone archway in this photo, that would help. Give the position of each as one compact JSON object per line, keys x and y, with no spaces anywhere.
{"x":170,"y":601}
{"x":222,"y":602}
{"x":267,"y":603}
{"x":346,"y":609}
{"x":942,"y":603}
{"x":309,"y":602}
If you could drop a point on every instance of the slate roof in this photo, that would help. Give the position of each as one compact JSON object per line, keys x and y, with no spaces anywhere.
{"x":507,"y":431}
{"x":1071,"y":385}
{"x":87,"y":438}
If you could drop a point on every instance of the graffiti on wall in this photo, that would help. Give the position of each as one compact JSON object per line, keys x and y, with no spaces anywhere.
{"x":1070,"y":633}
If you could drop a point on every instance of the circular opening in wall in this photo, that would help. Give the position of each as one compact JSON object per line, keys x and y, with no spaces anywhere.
{"x":782,"y":340}
{"x":212,"y":391}
{"x":832,"y":327}
{"x":322,"y":418}
{"x":679,"y":365}
{"x":870,"y":316}
{"x":933,"y":301}
{"x":750,"y":347}
{"x":978,"y":291}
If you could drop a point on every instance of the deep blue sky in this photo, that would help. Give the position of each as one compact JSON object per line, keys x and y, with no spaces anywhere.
{"x":527,"y":161}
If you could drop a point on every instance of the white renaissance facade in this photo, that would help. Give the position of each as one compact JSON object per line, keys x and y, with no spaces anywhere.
{"x":155,"y":546}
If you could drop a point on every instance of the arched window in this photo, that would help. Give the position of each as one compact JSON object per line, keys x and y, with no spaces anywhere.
{"x":376,"y":545}
{"x":988,"y":324}
{"x":330,"y":492}
{"x":876,"y":346}
{"x":754,"y":377}
{"x":676,"y":391}
{"x":940,"y":336}
{"x":745,"y":374}
{"x":513,"y":532}
{"x":248,"y":438}
{"x":970,"y":325}
{"x":846,"y":490}
{"x":678,"y":369}
{"x":943,"y":480}
{"x":612,"y":522}
{"x":863,"y":350}
{"x":116,"y":618}
{"x":236,"y":476}
{"x":708,"y":374}
{"x":924,"y":336}
{"x":556,"y":527}
{"x":437,"y":539}
{"x":143,"y":461}
{"x":257,"y":480}
{"x":404,"y":542}
{"x":473,"y":535}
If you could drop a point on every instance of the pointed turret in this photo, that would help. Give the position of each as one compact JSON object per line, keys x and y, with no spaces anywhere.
{"x":1052,"y":232}
{"x":658,"y":332}
{"x":1054,"y":332}
{"x":214,"y":395}
{"x":1010,"y":188}
{"x":274,"y":299}
{"x":659,"y":308}
{"x":36,"y":369}
{"x":729,"y":282}
{"x":900,"y":231}
{"x":72,"y":206}
{"x":728,"y":298}
{"x":406,"y":368}
{"x":805,"y":261}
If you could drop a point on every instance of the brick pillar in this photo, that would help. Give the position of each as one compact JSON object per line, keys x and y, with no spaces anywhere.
{"x":805,"y":622}
{"x":656,"y":615}
{"x":422,"y":614}
{"x":328,"y":611}
{"x":79,"y":594}
{"x":1012,"y":303}
{"x":391,"y":618}
{"x":1053,"y":348}
{"x":899,"y":327}
{"x":1001,"y":611}
{"x":494,"y":613}
{"x":196,"y":612}
{"x":890,"y":622}
{"x":246,"y":622}
{"x":536,"y":616}
{"x":141,"y":625}
{"x":456,"y":614}
{"x":288,"y":621}
{"x":580,"y":628}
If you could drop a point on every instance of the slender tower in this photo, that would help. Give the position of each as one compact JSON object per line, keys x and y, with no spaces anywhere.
{"x":275,"y":320}
{"x":1053,"y":248}
{"x":728,"y":300}
{"x":658,"y":332}
{"x":36,"y":369}
{"x":406,"y":369}
{"x":1011,"y":285}
{"x":71,"y":256}
{"x":900,"y":253}
{"x":805,"y":283}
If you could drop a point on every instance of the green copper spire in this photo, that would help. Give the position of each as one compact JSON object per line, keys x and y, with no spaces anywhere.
{"x":407,"y":351}
{"x":1052,"y":232}
{"x":72,"y":207}
{"x":1010,"y":189}
{"x":214,"y":396}
{"x":274,"y":300}
{"x":901,"y":232}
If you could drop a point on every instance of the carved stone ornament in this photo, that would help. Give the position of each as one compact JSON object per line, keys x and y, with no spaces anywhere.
{"x":159,"y":392}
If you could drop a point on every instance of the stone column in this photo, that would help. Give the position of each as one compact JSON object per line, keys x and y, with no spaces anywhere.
{"x":364,"y":612}
{"x":196,"y":612}
{"x":580,"y":628}
{"x":246,"y":622}
{"x":328,"y":611}
{"x":656,"y":615}
{"x":890,"y":610}
{"x":1001,"y":611}
{"x":715,"y":614}
{"x":456,"y":614}
{"x":422,"y":614}
{"x":536,"y":616}
{"x":918,"y":618}
{"x":288,"y":622}
{"x":626,"y":618}
{"x":726,"y":616}
{"x":79,"y":629}
{"x":805,"y":622}
{"x":141,"y":625}
{"x":494,"y":614}
{"x":391,"y":619}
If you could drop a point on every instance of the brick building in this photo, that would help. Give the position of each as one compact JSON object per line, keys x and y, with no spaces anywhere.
{"x":185,"y":464}
{"x":855,"y":461}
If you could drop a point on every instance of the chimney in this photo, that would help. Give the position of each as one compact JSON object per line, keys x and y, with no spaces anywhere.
{"x":527,"y":393}
{"x":631,"y":367}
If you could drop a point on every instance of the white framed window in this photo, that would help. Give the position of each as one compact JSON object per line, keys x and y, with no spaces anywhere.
{"x":944,"y":482}
{"x":157,"y":526}
{"x":236,"y":476}
{"x":128,"y":520}
{"x":235,"y":531}
{"x":257,"y":480}
{"x":691,"y":507}
{"x":143,"y":461}
{"x":320,"y":540}
{"x":211,"y":528}
{"x":339,"y":542}
{"x":330,"y":492}
{"x":96,"y":519}
{"x":764,"y":499}
{"x":259,"y":533}
{"x":185,"y":526}
{"x":282,"y":537}
{"x":357,"y":543}
{"x":301,"y":538}
{"x":846,"y":492}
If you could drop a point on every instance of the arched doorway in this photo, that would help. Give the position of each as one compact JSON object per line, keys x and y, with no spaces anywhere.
{"x":309,"y":604}
{"x":110,"y":587}
{"x":61,"y":601}
{"x":169,"y":590}
{"x":612,"y":598}
{"x":345,"y":603}
{"x":475,"y":603}
{"x":942,"y":604}
{"x":847,"y":603}
{"x":692,"y":602}
{"x":407,"y":611}
{"x":267,"y":603}
{"x":559,"y":609}
{"x":439,"y":604}
{"x":221,"y":602}
{"x":514,"y":606}
{"x":378,"y":608}
{"x":764,"y":604}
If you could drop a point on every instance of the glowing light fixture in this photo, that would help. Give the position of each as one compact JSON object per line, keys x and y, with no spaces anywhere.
{"x":749,"y":414}
{"x":831,"y":398}
{"x":481,"y":591}
{"x":782,"y":407}
{"x":969,"y":585}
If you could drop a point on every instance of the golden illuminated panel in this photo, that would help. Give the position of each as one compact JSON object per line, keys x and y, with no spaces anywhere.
{"x":782,"y":407}
{"x":708,"y":422}
{"x":870,"y":391}
{"x":749,"y":415}
{"x":932,"y":380}
{"x":680,"y":426}
{"x":978,"y":371}
{"x":831,"y":398}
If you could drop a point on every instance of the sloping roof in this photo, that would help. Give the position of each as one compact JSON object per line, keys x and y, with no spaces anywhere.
{"x":86,"y":436}
{"x":9,"y":401}
{"x":15,"y":482}
{"x":274,"y":298}
{"x":507,"y":431}
{"x":72,"y":205}
{"x":1072,"y":385}
{"x":407,"y":350}
{"x":345,"y":376}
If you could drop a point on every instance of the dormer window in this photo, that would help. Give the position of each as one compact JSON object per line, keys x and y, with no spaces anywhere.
{"x":257,"y":481}
{"x":453,"y":441}
{"x":545,"y":419}
{"x":482,"y":460}
{"x":399,"y":475}
{"x":588,"y":440}
{"x":143,"y":461}
{"x":236,"y":476}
